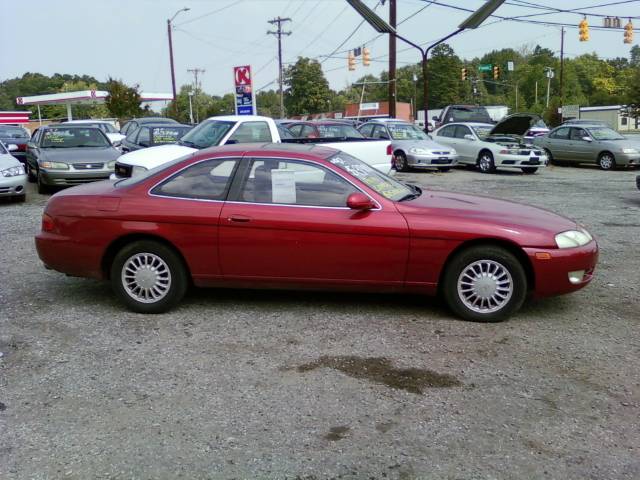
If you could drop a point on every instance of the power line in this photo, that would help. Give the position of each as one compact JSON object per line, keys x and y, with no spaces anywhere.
{"x":211,"y":13}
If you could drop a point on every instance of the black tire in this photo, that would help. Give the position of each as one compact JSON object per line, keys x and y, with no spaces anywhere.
{"x":444,"y":169}
{"x":167,"y":264}
{"x":485,"y":162}
{"x":549,"y":155}
{"x":43,"y":188}
{"x":31,"y":177}
{"x":401,"y":162}
{"x":20,"y":198}
{"x":606,"y":161}
{"x":491,"y":256}
{"x":529,"y":170}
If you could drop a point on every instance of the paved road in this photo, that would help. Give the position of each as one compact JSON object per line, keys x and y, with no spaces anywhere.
{"x":241,"y":384}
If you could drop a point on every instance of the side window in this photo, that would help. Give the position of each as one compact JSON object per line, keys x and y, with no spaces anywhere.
{"x":131,"y":136}
{"x":251,"y":132}
{"x":36,"y":136}
{"x":308,"y":132}
{"x":446,"y":132}
{"x":208,"y":180}
{"x":380,"y":132}
{"x":144,"y":137}
{"x":561,"y":133}
{"x":366,"y":130}
{"x":578,"y":133}
{"x":461,"y":131}
{"x":296,"y":129}
{"x":294,"y":183}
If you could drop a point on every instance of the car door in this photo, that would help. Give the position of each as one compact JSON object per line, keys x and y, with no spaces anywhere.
{"x":366,"y":130}
{"x":581,"y":149}
{"x":32,"y":150}
{"x":287,"y":221}
{"x":380,"y":132}
{"x":466,"y":144}
{"x":558,"y":143}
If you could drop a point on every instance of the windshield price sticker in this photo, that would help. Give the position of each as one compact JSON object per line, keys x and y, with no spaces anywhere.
{"x":164,"y":135}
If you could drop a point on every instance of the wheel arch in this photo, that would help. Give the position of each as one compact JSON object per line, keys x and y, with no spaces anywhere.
{"x":511,"y":247}
{"x":481,"y":151}
{"x":602,"y":152}
{"x":116,"y":245}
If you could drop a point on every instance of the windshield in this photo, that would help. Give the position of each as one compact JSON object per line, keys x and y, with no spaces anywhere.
{"x":74,"y":137}
{"x":207,"y":134}
{"x":13,"y":132}
{"x":378,"y":181}
{"x":605,"y":133}
{"x":468,"y":114}
{"x":406,"y":131}
{"x":331,"y":131}
{"x":482,"y":131}
{"x":168,"y":134}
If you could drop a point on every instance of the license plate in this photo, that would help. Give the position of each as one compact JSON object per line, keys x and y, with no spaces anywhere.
{"x":534,"y":160}
{"x":443,"y":159}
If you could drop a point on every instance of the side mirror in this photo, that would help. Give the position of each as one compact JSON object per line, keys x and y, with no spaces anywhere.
{"x":468,"y":136}
{"x":12,"y":147}
{"x":587,"y":139}
{"x":359,"y":201}
{"x":436,"y":118}
{"x":231,"y":142}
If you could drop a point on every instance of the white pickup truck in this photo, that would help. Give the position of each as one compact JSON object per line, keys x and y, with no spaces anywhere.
{"x":225,"y":130}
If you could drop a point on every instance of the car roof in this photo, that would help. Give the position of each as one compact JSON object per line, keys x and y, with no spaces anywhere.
{"x":387,"y":120}
{"x":469,"y":124}
{"x":165,"y":125}
{"x":308,"y":150}
{"x":237,"y":118}
{"x":153,"y":119}
{"x":69,"y":125}
{"x":87,"y":121}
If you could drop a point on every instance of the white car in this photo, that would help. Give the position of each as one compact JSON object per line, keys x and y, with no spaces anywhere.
{"x":489,"y":147}
{"x":13,"y":179}
{"x":231,"y":129}
{"x":114,"y":136}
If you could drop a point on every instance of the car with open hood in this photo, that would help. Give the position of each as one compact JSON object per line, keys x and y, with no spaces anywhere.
{"x":412,"y":148}
{"x":489,"y":147}
{"x":308,"y":217}
{"x":66,"y":155}
{"x":590,"y":143}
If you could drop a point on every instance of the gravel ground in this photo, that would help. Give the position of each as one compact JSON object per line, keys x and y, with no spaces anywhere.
{"x":243,"y":384}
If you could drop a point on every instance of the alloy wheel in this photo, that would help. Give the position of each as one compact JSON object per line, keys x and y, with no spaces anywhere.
{"x":485,"y":286}
{"x":146,"y":277}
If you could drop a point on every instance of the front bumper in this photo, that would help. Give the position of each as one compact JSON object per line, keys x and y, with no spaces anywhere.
{"x":68,"y":178}
{"x":431,"y":161}
{"x":13,"y":186}
{"x":551,"y":268}
{"x":520,"y":161}
{"x":624,"y":159}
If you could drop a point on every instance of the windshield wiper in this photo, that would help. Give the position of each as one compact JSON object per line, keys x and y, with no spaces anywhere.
{"x":187,"y":143}
{"x":415,"y":193}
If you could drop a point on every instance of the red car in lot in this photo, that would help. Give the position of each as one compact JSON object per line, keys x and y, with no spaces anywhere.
{"x":302,"y":216}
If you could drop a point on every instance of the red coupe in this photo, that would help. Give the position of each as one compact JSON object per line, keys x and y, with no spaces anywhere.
{"x":298,"y":216}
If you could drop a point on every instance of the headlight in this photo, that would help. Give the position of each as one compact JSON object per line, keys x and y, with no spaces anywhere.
{"x":111,"y":164}
{"x":452,"y":152}
{"x":13,"y":171}
{"x":573,"y":238}
{"x":629,"y":150}
{"x":419,"y":151}
{"x":137,"y":170}
{"x":55,"y":165}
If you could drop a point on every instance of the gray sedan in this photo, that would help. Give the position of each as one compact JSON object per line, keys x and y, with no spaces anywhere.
{"x":589,"y":144}
{"x":12,"y":177}
{"x":69,"y":155}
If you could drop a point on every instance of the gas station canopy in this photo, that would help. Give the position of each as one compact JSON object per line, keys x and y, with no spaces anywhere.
{"x":84,"y":97}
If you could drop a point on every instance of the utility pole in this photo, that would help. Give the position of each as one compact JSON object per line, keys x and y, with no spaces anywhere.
{"x":279,"y":33}
{"x":196,"y":72}
{"x":561,"y":69}
{"x":392,"y":61}
{"x":550,"y":75}
{"x":173,"y":73}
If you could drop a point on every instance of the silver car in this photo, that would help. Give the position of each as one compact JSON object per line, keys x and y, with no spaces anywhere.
{"x":589,"y":144}
{"x":13,"y":180}
{"x":411,"y":147}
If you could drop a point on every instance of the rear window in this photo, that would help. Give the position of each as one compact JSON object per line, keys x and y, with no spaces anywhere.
{"x":13,"y":132}
{"x":338,"y":131}
{"x":468,"y":114}
{"x":168,"y":134}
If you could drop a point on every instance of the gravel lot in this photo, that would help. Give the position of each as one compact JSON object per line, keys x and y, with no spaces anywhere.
{"x":243,"y":384}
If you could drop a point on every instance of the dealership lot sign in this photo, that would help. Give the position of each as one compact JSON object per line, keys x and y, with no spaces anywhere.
{"x":244,"y":90}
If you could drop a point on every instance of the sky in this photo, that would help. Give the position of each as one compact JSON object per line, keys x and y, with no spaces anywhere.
{"x":127,"y":39}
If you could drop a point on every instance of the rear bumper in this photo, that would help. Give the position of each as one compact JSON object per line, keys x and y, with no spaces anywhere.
{"x":62,"y":254}
{"x":12,"y":186}
{"x":552,"y":274}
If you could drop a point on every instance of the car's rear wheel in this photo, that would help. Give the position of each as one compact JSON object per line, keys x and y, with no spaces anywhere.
{"x":485,"y":162}
{"x":401,"y":162}
{"x":606,"y":161}
{"x":484,"y":284}
{"x":529,"y":170}
{"x":148,"y":277}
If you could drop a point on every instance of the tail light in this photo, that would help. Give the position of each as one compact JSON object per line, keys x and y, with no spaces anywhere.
{"x":48,"y":225}
{"x":22,"y":147}
{"x":389,"y":150}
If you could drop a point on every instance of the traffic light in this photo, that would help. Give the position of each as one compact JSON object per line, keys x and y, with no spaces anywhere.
{"x":464,"y":73}
{"x":352,"y":61}
{"x":583,"y":30}
{"x":628,"y":32}
{"x":496,"y":72}
{"x":366,"y":57}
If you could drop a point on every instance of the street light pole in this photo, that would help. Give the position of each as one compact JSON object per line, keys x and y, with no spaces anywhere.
{"x":173,"y":73}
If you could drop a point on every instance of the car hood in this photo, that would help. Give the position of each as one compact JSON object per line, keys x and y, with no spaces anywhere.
{"x":83,"y":154}
{"x":8,"y":161}
{"x":456,"y":216}
{"x":153,"y":156}
{"x":517,"y":124}
{"x":407,"y":144}
{"x":115,"y":137}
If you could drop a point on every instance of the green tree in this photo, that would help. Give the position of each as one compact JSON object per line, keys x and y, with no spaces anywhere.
{"x":307,"y":90}
{"x":123,"y":101}
{"x":445,"y":84}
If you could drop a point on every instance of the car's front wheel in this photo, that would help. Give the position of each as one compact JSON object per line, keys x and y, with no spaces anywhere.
{"x":42,"y":187}
{"x":606,"y":161}
{"x":401,"y":162}
{"x":148,"y":277}
{"x":484,"y":284}
{"x":486,"y":163}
